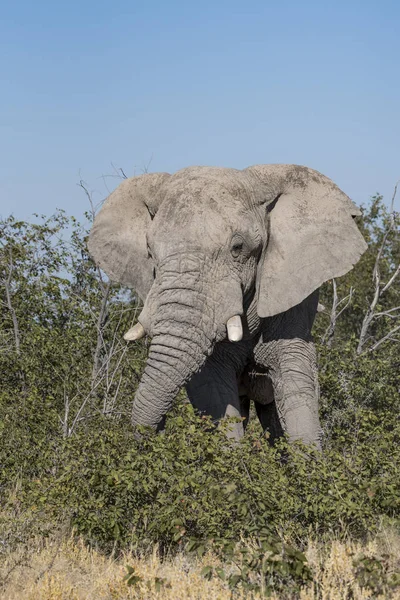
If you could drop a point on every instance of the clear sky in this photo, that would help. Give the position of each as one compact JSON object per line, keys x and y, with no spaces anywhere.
{"x":87,"y":84}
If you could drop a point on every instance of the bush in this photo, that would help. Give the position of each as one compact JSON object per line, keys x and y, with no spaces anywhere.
{"x":67,"y":452}
{"x":191,"y":484}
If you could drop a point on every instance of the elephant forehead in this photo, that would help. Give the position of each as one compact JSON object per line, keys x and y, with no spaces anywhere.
{"x":207,"y":185}
{"x":201,"y":209}
{"x":202,"y":217}
{"x":200,"y":200}
{"x":181,"y":228}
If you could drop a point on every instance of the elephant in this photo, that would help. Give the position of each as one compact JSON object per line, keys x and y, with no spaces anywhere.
{"x":229,"y":264}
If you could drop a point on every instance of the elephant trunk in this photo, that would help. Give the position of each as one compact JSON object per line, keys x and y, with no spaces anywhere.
{"x":182,"y":339}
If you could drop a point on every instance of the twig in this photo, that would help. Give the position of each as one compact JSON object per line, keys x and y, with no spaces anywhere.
{"x":386,"y":337}
{"x":102,"y":318}
{"x":330,"y":331}
{"x":388,"y":313}
{"x":66,"y":415}
{"x":391,"y":280}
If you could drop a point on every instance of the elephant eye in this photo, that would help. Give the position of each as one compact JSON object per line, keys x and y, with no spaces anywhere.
{"x":236,"y":249}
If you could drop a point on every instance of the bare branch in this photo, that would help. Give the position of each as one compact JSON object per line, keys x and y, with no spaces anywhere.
{"x":330,"y":331}
{"x":370,"y":314}
{"x":393,"y":197}
{"x":82,"y":406}
{"x":388,"y":336}
{"x":349,"y":298}
{"x":82,"y":184}
{"x":391,"y":280}
{"x":64,"y":421}
{"x":89,"y":195}
{"x":146,"y":167}
{"x":100,"y":327}
{"x":388,"y":313}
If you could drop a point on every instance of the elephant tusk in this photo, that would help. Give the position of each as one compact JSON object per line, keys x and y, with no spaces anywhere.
{"x":135,"y":333}
{"x":234,"y":328}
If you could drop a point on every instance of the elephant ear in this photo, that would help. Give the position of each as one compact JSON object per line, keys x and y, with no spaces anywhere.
{"x":312,"y":235}
{"x":117,"y":241}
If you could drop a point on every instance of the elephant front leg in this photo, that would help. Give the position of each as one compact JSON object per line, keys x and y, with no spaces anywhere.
{"x":214,"y":391}
{"x":257,"y":385}
{"x":292,"y":367}
{"x":269,"y":420}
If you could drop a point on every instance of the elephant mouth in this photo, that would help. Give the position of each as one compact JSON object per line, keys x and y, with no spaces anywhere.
{"x":234,"y":330}
{"x":183,"y":292}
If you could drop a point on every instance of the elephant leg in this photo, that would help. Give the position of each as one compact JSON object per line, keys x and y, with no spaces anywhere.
{"x":214,"y":389}
{"x":286,"y":350}
{"x":244,"y":409}
{"x":293,"y":371}
{"x":269,"y":419}
{"x":258,"y":386}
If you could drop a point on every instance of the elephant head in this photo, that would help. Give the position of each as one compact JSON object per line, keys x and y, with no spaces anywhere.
{"x":199,"y":246}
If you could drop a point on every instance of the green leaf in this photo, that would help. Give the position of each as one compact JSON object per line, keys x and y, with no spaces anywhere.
{"x":207,"y":572}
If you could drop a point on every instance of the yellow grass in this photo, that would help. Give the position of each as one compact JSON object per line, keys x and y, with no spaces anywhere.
{"x":68,"y":570}
{"x":333,"y":571}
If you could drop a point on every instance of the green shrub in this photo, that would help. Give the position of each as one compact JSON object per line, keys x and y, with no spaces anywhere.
{"x":68,"y":455}
{"x":192,"y":484}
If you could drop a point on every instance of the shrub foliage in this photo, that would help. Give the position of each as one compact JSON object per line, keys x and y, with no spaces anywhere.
{"x":67,"y":453}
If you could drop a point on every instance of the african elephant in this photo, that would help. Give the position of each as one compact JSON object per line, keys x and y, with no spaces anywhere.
{"x":228,"y":264}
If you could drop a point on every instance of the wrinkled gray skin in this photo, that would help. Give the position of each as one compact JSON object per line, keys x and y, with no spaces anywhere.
{"x":206,"y":244}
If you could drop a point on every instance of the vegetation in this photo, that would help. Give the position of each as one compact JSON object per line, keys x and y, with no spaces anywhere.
{"x":68,"y":569}
{"x":251,"y":518}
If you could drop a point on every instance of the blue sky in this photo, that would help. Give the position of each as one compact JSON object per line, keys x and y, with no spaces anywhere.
{"x":89,"y":84}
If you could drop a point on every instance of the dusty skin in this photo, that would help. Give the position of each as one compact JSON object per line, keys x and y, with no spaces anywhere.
{"x":228,"y":264}
{"x":67,"y":570}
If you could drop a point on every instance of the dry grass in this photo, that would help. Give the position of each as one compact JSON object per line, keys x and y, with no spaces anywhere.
{"x":334,"y":576}
{"x":71,"y":571}
{"x":68,"y":570}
